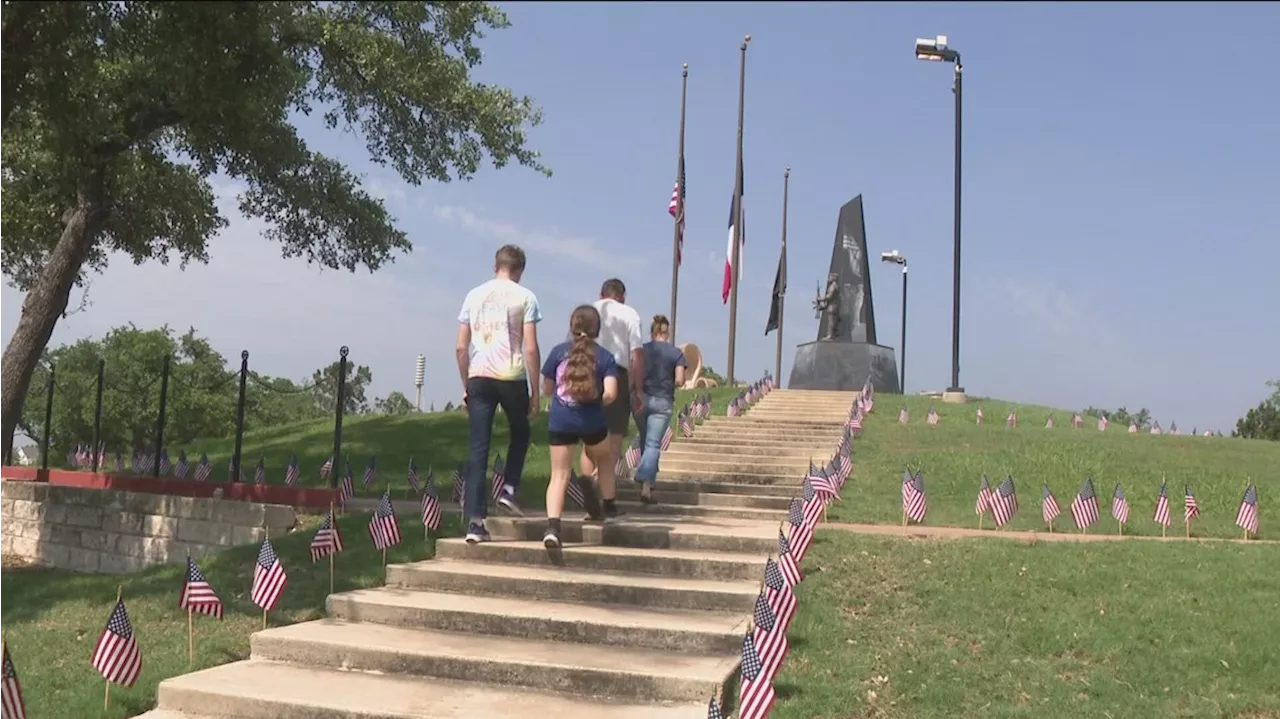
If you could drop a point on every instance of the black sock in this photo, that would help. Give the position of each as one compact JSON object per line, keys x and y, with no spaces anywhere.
{"x":610,"y":505}
{"x":553,"y":523}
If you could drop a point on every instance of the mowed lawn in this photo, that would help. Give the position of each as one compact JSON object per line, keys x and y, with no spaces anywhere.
{"x":52,"y":619}
{"x":891,"y":627}
{"x":955,"y":453}
{"x":435,"y":441}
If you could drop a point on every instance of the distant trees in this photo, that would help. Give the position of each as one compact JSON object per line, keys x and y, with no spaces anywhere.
{"x":1263,"y":421}
{"x":1123,"y":416}
{"x":324,"y":384}
{"x":394,"y":403}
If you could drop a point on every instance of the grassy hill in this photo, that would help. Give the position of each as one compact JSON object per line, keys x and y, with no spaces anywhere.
{"x":956,"y":452}
{"x":435,"y":440}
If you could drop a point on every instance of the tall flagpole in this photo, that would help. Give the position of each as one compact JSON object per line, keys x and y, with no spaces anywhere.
{"x":737,"y":217}
{"x":678,"y":198}
{"x":782,"y":267}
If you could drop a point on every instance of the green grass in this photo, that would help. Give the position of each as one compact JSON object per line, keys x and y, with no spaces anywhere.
{"x":53,"y":618}
{"x":916,"y":629}
{"x":434,"y":440}
{"x":955,"y":453}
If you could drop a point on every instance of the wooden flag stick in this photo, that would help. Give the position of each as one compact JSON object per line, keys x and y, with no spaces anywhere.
{"x":384,"y":556}
{"x":1164,"y":532}
{"x":1188,"y":523}
{"x":1050,"y":526}
{"x":191,"y":637}
{"x":106,"y":697}
{"x":1121,"y":525}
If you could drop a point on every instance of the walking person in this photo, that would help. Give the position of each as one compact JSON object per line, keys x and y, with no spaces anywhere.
{"x":497,"y":341}
{"x":620,"y":335}
{"x":664,"y":369}
{"x":581,"y":378}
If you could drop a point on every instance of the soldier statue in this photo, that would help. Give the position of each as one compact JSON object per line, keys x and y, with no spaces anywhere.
{"x":828,"y":304}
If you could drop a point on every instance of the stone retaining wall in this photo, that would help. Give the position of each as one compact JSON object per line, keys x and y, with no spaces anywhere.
{"x":94,"y":530}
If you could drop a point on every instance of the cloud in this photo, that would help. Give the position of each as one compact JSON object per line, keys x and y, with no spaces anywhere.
{"x":585,"y":250}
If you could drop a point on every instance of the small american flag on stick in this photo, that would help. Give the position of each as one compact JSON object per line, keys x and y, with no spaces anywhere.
{"x":384,"y":528}
{"x":1004,"y":502}
{"x":1084,"y":508}
{"x":1012,"y":419}
{"x":1049,"y":510}
{"x":371,"y":472}
{"x":291,"y":473}
{"x":932,"y":417}
{"x":1162,"y":507}
{"x":13,"y":705}
{"x":914,"y":502}
{"x":328,"y":539}
{"x":667,"y":437}
{"x":413,"y":477}
{"x":714,"y":711}
{"x":575,"y":490}
{"x":204,"y":469}
{"x":1048,"y":423}
{"x":983,"y":505}
{"x":260,"y":472}
{"x":903,"y":415}
{"x":801,"y":531}
{"x":1190,"y":509}
{"x":197,"y":596}
{"x":347,"y":489}
{"x":430,"y":507}
{"x":183,"y":466}
{"x":771,"y":640}
{"x":781,"y":598}
{"x":755,"y":691}
{"x":326,"y":468}
{"x":459,"y":481}
{"x":1119,"y":505}
{"x":116,"y":655}
{"x":633,"y":453}
{"x":686,"y":425}
{"x":1247,"y":516}
{"x":1077,"y":421}
{"x":499,"y":476}
{"x":787,"y":561}
{"x":978,"y":415}
{"x":269,"y":578}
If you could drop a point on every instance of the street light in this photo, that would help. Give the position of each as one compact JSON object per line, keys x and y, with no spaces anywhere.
{"x":893,"y":257}
{"x":937,"y":50}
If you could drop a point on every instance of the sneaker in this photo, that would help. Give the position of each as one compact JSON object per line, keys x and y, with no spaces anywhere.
{"x":476,"y":533}
{"x":551,"y":538}
{"x":613,"y":514}
{"x":595,"y":513}
{"x":646,"y":496}
{"x":507,"y":500}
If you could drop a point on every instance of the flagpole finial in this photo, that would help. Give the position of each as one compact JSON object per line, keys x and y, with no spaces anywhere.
{"x":686,"y":67}
{"x":746,"y":39}
{"x":787,"y":171}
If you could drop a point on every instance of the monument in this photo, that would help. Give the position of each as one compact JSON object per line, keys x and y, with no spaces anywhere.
{"x":846,"y":353}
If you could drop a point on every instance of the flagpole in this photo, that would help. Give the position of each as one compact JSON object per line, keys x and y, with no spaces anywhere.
{"x":736,"y":253}
{"x":679,"y":198}
{"x":333,"y":525}
{"x":782,"y":266}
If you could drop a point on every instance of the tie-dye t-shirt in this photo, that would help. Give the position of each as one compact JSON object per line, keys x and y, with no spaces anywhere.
{"x":497,"y":312}
{"x":567,"y":414}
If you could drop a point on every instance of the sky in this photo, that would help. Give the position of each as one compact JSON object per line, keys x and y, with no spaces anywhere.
{"x":1121,"y":238}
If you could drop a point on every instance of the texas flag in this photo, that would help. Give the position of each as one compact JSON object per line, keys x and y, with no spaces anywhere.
{"x":742,"y":241}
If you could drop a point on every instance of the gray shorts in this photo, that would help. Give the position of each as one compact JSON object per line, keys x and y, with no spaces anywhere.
{"x":618,"y":414}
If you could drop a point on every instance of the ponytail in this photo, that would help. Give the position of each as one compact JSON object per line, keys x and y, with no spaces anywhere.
{"x":581,"y":379}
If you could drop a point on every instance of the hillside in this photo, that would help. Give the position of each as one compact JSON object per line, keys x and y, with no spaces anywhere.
{"x":955,"y":453}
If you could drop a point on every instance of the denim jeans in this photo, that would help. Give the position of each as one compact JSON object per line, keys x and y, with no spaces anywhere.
{"x":657,"y":417}
{"x":484,"y":396}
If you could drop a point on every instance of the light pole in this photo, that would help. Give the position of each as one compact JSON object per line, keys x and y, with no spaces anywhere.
{"x":894,"y":257}
{"x":936,"y":50}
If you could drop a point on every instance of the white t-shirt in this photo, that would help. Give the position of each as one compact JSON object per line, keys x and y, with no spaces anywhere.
{"x":619,"y":330}
{"x":497,"y":312}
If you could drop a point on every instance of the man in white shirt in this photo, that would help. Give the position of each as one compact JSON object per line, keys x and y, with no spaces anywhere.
{"x":620,"y":335}
{"x":497,"y":342}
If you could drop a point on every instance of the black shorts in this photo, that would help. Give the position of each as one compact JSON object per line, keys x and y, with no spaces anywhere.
{"x":569,"y":439}
{"x":618,"y":414}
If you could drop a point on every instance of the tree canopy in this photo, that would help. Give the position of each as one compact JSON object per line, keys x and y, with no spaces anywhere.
{"x":1263,"y":421}
{"x":116,"y":115}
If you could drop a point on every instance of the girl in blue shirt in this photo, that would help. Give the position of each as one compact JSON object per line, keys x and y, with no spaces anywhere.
{"x":581,"y":378}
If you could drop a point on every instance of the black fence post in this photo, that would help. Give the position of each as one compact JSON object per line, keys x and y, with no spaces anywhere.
{"x":97,"y":417}
{"x":48,"y":420}
{"x":164,"y":403}
{"x":337,"y":418}
{"x":244,"y":376}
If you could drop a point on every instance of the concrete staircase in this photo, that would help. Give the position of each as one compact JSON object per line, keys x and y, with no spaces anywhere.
{"x":642,"y":619}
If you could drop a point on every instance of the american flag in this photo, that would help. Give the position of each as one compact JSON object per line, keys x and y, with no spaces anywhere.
{"x":1190,"y":510}
{"x":732,"y":411}
{"x":328,"y":539}
{"x":667,"y":437}
{"x":787,"y":561}
{"x":165,"y":464}
{"x":932,"y":417}
{"x":119,"y":461}
{"x":714,"y":711}
{"x":268,"y":578}
{"x":1247,"y":517}
{"x":844,"y":464}
{"x":1048,"y":423}
{"x":116,"y":655}
{"x":620,"y":469}
{"x":914,"y":502}
{"x":347,"y":489}
{"x":1077,"y":421}
{"x":143,"y":463}
{"x":821,"y":483}
{"x":1162,"y":507}
{"x":371,"y":472}
{"x":499,"y":476}
{"x":260,"y":472}
{"x":1102,"y":423}
{"x":413,"y":477}
{"x":801,"y":530}
{"x":326,"y":468}
{"x":1173,"y":429}
{"x":1084,"y":508}
{"x":197,"y":595}
{"x":13,"y":705}
{"x":1049,"y":506}
{"x":575,"y":490}
{"x":1119,"y":505}
{"x":633,"y":453}
{"x":686,"y":424}
{"x":675,"y":208}
{"x":384,"y":528}
{"x":771,"y":638}
{"x":1012,"y":419}
{"x":1133,"y":428}
{"x":1004,"y":502}
{"x":430,"y":507}
{"x":856,"y":423}
{"x":755,"y":691}
{"x":183,"y":466}
{"x":978,"y":416}
{"x":204,"y":469}
{"x":903,"y":415}
{"x":291,"y":472}
{"x":983,"y":505}
{"x":1155,"y":428}
{"x":781,"y":599}
{"x":459,"y":481}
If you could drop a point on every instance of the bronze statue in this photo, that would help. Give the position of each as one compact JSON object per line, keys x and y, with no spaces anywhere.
{"x":828,"y":304}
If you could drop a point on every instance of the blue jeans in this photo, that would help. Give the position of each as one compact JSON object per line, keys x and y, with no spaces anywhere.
{"x":657,"y":417}
{"x":484,"y":396}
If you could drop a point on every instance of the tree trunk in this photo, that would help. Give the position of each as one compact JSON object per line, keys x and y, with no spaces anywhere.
{"x":47,"y":299}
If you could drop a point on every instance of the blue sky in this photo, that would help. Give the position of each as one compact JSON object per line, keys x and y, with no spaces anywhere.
{"x":1121,"y":238}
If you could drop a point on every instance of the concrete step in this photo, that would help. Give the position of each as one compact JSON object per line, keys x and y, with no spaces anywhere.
{"x":732,"y":463}
{"x":765,"y":442}
{"x":779,"y":449}
{"x":790,"y":478}
{"x":806,"y":424}
{"x":583,"y":670}
{"x":560,"y":584}
{"x":638,"y":510}
{"x":648,"y":628}
{"x":796,"y":416}
{"x":707,"y":499}
{"x":693,"y":485}
{"x":665,"y":562}
{"x":652,"y":531}
{"x":270,"y":690}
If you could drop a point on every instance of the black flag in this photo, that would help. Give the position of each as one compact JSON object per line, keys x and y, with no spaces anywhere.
{"x":779,"y":289}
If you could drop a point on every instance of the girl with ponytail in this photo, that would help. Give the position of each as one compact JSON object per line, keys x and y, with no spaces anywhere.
{"x":581,"y":378}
